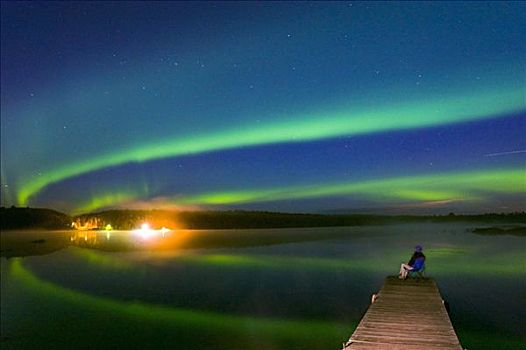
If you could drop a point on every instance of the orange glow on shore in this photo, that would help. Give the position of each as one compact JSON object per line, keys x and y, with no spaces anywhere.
{"x":143,"y":238}
{"x":147,"y":232}
{"x":92,"y":224}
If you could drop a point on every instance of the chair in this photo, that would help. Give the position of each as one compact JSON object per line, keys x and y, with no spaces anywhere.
{"x":419,"y":269}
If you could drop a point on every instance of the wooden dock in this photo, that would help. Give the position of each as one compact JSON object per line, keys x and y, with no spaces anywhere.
{"x":407,"y":315}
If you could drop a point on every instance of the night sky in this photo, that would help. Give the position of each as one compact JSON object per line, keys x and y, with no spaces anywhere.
{"x":299,"y":107}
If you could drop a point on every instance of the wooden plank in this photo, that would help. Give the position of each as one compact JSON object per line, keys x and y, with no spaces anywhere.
{"x":407,"y":314}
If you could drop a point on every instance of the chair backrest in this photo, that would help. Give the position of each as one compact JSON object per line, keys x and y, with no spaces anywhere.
{"x":419,"y":264}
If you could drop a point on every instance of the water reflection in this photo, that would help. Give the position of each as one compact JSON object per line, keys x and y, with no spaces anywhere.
{"x":315,"y":332}
{"x":85,"y":239}
{"x":140,"y":239}
{"x":20,"y":244}
{"x":249,"y":285}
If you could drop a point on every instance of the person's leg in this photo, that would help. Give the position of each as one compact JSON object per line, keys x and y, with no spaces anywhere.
{"x":404,"y":268}
{"x":403,"y":271}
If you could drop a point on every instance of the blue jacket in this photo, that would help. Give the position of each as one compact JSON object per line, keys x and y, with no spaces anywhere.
{"x":419,"y":264}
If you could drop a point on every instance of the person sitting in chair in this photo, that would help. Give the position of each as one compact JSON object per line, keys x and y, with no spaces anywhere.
{"x":416,"y":263}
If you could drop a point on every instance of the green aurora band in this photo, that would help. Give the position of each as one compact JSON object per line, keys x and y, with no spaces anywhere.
{"x":460,"y":186}
{"x":441,"y":263}
{"x":445,"y":260}
{"x":105,"y":199}
{"x":447,"y":187}
{"x":316,"y":126}
{"x":280,"y":330}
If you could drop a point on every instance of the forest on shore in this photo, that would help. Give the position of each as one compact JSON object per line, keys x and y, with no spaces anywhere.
{"x":14,"y":218}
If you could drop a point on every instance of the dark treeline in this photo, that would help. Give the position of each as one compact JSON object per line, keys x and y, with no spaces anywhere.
{"x":238,"y":219}
{"x":21,"y":218}
{"x":252,"y":219}
{"x":27,"y":218}
{"x":129,"y":219}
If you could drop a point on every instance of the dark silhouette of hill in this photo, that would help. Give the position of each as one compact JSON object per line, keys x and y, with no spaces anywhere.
{"x":33,"y":218}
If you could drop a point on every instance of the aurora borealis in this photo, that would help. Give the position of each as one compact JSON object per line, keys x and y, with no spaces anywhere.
{"x":299,"y":107}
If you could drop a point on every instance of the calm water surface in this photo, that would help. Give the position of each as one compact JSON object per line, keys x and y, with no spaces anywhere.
{"x":247,"y":289}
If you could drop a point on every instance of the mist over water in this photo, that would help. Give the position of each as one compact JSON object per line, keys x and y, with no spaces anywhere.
{"x":248,"y":289}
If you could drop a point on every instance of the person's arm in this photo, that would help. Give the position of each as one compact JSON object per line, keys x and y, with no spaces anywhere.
{"x":412,"y":260}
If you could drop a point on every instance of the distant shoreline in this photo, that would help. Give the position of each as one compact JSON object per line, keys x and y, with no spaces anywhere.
{"x":47,"y":219}
{"x":497,"y":231}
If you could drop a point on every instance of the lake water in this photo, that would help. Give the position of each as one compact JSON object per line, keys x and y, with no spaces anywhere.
{"x":247,"y":289}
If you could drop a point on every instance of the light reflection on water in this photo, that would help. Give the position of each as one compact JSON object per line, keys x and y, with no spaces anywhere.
{"x":289,"y":288}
